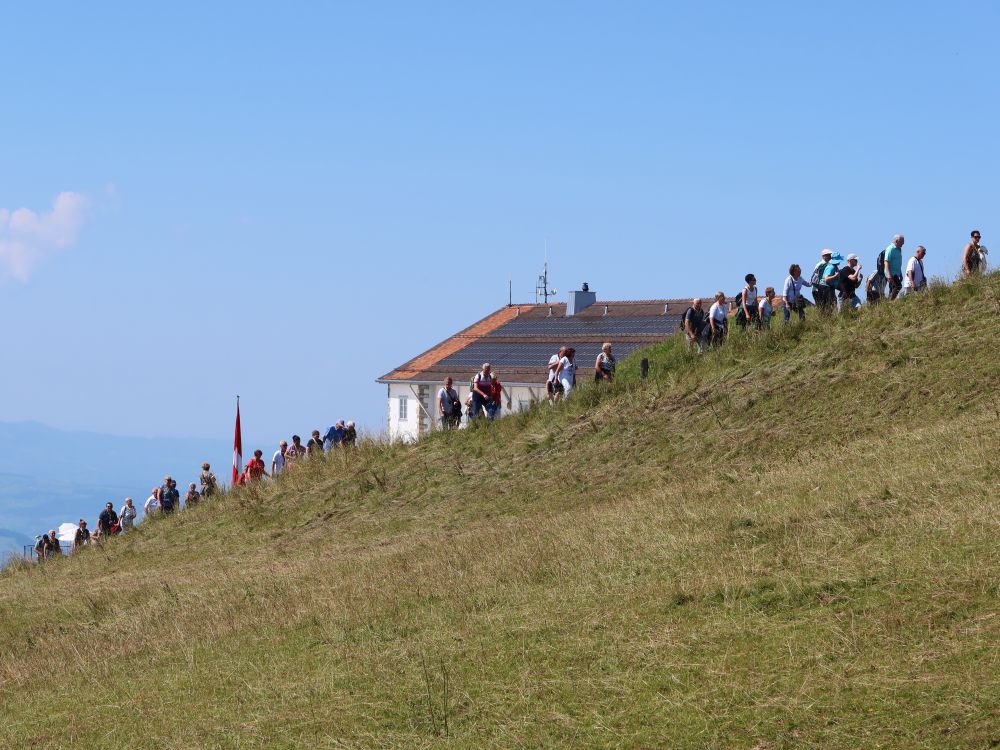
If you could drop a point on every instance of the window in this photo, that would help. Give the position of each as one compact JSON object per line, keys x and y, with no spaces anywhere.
{"x":403,"y":403}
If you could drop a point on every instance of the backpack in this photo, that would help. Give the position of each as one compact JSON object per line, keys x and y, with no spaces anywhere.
{"x":740,"y":318}
{"x":880,"y":264}
{"x":817,"y":274}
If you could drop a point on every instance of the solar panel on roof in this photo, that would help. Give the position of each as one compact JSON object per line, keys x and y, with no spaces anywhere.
{"x":609,"y":327}
{"x":528,"y":354}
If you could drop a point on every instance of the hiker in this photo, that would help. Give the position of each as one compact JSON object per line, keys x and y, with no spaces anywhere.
{"x":350,"y":436}
{"x":497,"y":397}
{"x":334,"y":436}
{"x":566,"y":370}
{"x":892,"y":265}
{"x":974,"y":255}
{"x":482,"y":394}
{"x":192,"y":497}
{"x":915,"y":279}
{"x":821,"y":293}
{"x":718,"y":319}
{"x":55,"y":547}
{"x":152,"y":505}
{"x":255,"y":466}
{"x":207,"y":480}
{"x":82,"y":536}
{"x":830,"y":282}
{"x":127,"y":515}
{"x":47,"y":546}
{"x":170,"y":498}
{"x":849,"y":281}
{"x":747,"y":309}
{"x":791,"y":293}
{"x":107,"y":519}
{"x":295,"y":451}
{"x":553,"y":388}
{"x":315,"y":444}
{"x":766,"y":309}
{"x":278,"y":459}
{"x":604,"y":365}
{"x":449,"y":406}
{"x":694,"y":322}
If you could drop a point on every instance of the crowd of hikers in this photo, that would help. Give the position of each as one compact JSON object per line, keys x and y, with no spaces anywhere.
{"x":166,"y":500}
{"x":835,"y":281}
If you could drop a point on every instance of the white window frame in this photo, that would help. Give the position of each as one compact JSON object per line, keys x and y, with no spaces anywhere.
{"x":404,"y":404}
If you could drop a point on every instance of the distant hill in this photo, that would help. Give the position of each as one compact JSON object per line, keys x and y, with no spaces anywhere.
{"x":48,"y":476}
{"x":12,"y":542}
{"x":789,"y":542}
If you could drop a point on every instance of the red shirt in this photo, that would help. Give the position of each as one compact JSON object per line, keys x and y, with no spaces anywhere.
{"x":255,"y":468}
{"x":497,"y":391}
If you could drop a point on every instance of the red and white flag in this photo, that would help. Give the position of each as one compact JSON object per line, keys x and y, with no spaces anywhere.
{"x":237,"y":447}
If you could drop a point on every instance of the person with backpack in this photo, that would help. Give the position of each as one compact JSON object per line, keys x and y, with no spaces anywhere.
{"x":821,"y":293}
{"x":791,"y":293}
{"x":892,"y":265}
{"x":830,"y":282}
{"x":849,"y":281}
{"x":974,"y":256}
{"x":449,"y":407}
{"x":718,"y":319}
{"x":207,"y":480}
{"x":915,"y":279}
{"x":482,"y":394}
{"x":747,"y":310}
{"x":170,"y":498}
{"x":694,"y":323}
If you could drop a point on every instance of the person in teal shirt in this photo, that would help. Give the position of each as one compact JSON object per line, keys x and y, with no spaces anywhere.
{"x":894,"y":265}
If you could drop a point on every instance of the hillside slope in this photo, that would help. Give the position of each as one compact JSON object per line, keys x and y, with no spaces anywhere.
{"x":791,"y":542}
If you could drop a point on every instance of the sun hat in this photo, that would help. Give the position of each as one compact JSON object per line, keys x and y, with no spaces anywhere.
{"x":826,"y":251}
{"x":836,"y":258}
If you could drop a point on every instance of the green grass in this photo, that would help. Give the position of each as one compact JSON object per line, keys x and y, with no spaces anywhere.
{"x":789,"y":542}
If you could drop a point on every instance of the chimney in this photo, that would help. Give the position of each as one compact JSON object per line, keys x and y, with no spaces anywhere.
{"x":580,"y":300}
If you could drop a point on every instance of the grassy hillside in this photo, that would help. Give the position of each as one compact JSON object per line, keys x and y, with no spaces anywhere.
{"x":791,"y":542}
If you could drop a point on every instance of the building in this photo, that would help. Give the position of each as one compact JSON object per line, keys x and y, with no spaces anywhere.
{"x":517,"y":341}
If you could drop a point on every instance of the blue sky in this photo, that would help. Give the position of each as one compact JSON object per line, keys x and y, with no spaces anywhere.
{"x":286,"y":201}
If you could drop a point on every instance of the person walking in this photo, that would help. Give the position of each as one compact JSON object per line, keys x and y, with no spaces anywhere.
{"x":207,"y":480}
{"x":849,"y":281}
{"x":749,"y":310}
{"x":82,"y":536}
{"x":295,"y":451}
{"x":566,"y":371}
{"x":718,"y":319}
{"x":255,"y":466}
{"x":553,"y":388}
{"x":449,"y":405}
{"x":694,"y":322}
{"x":604,"y":365}
{"x":315,"y":445}
{"x":350,"y":436}
{"x":152,"y":504}
{"x":192,"y":497}
{"x":482,"y":393}
{"x":821,"y":292}
{"x":830,"y":283}
{"x":107,"y":520}
{"x":892,"y":266}
{"x":974,"y":255}
{"x":497,"y":397}
{"x":170,"y":498}
{"x":915,"y":279}
{"x":791,"y":293}
{"x":127,"y":516}
{"x":278,"y":459}
{"x":334,"y":436}
{"x":766,"y":308}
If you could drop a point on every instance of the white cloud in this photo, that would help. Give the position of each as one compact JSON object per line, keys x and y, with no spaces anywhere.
{"x":27,"y":237}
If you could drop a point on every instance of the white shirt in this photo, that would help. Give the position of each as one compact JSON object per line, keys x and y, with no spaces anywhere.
{"x":718,"y":311}
{"x":127,"y":515}
{"x":278,"y":461}
{"x":568,"y":371}
{"x":765,"y":309}
{"x":918,"y":275}
{"x":553,"y":360}
{"x":152,"y":504}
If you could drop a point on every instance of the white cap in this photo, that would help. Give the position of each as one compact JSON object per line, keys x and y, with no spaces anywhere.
{"x":852,"y":256}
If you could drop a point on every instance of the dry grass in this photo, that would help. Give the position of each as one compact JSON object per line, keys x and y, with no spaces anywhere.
{"x":788,"y":543}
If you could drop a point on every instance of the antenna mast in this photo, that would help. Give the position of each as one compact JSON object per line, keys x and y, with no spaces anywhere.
{"x":542,"y":291}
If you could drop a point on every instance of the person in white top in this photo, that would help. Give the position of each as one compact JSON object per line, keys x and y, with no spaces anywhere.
{"x":791,"y":292}
{"x":718,"y":314}
{"x":126,"y":516}
{"x":915,"y":280}
{"x":553,"y":388}
{"x":152,"y":506}
{"x":278,"y":459}
{"x":566,"y":370}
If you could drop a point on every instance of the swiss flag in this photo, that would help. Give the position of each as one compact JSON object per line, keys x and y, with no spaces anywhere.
{"x":237,"y":447}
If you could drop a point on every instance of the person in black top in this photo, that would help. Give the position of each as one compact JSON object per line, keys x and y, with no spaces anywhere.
{"x":694,"y":325}
{"x":82,"y":535}
{"x":170,"y":498}
{"x":43,"y":547}
{"x":107,"y":519}
{"x":850,"y":279}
